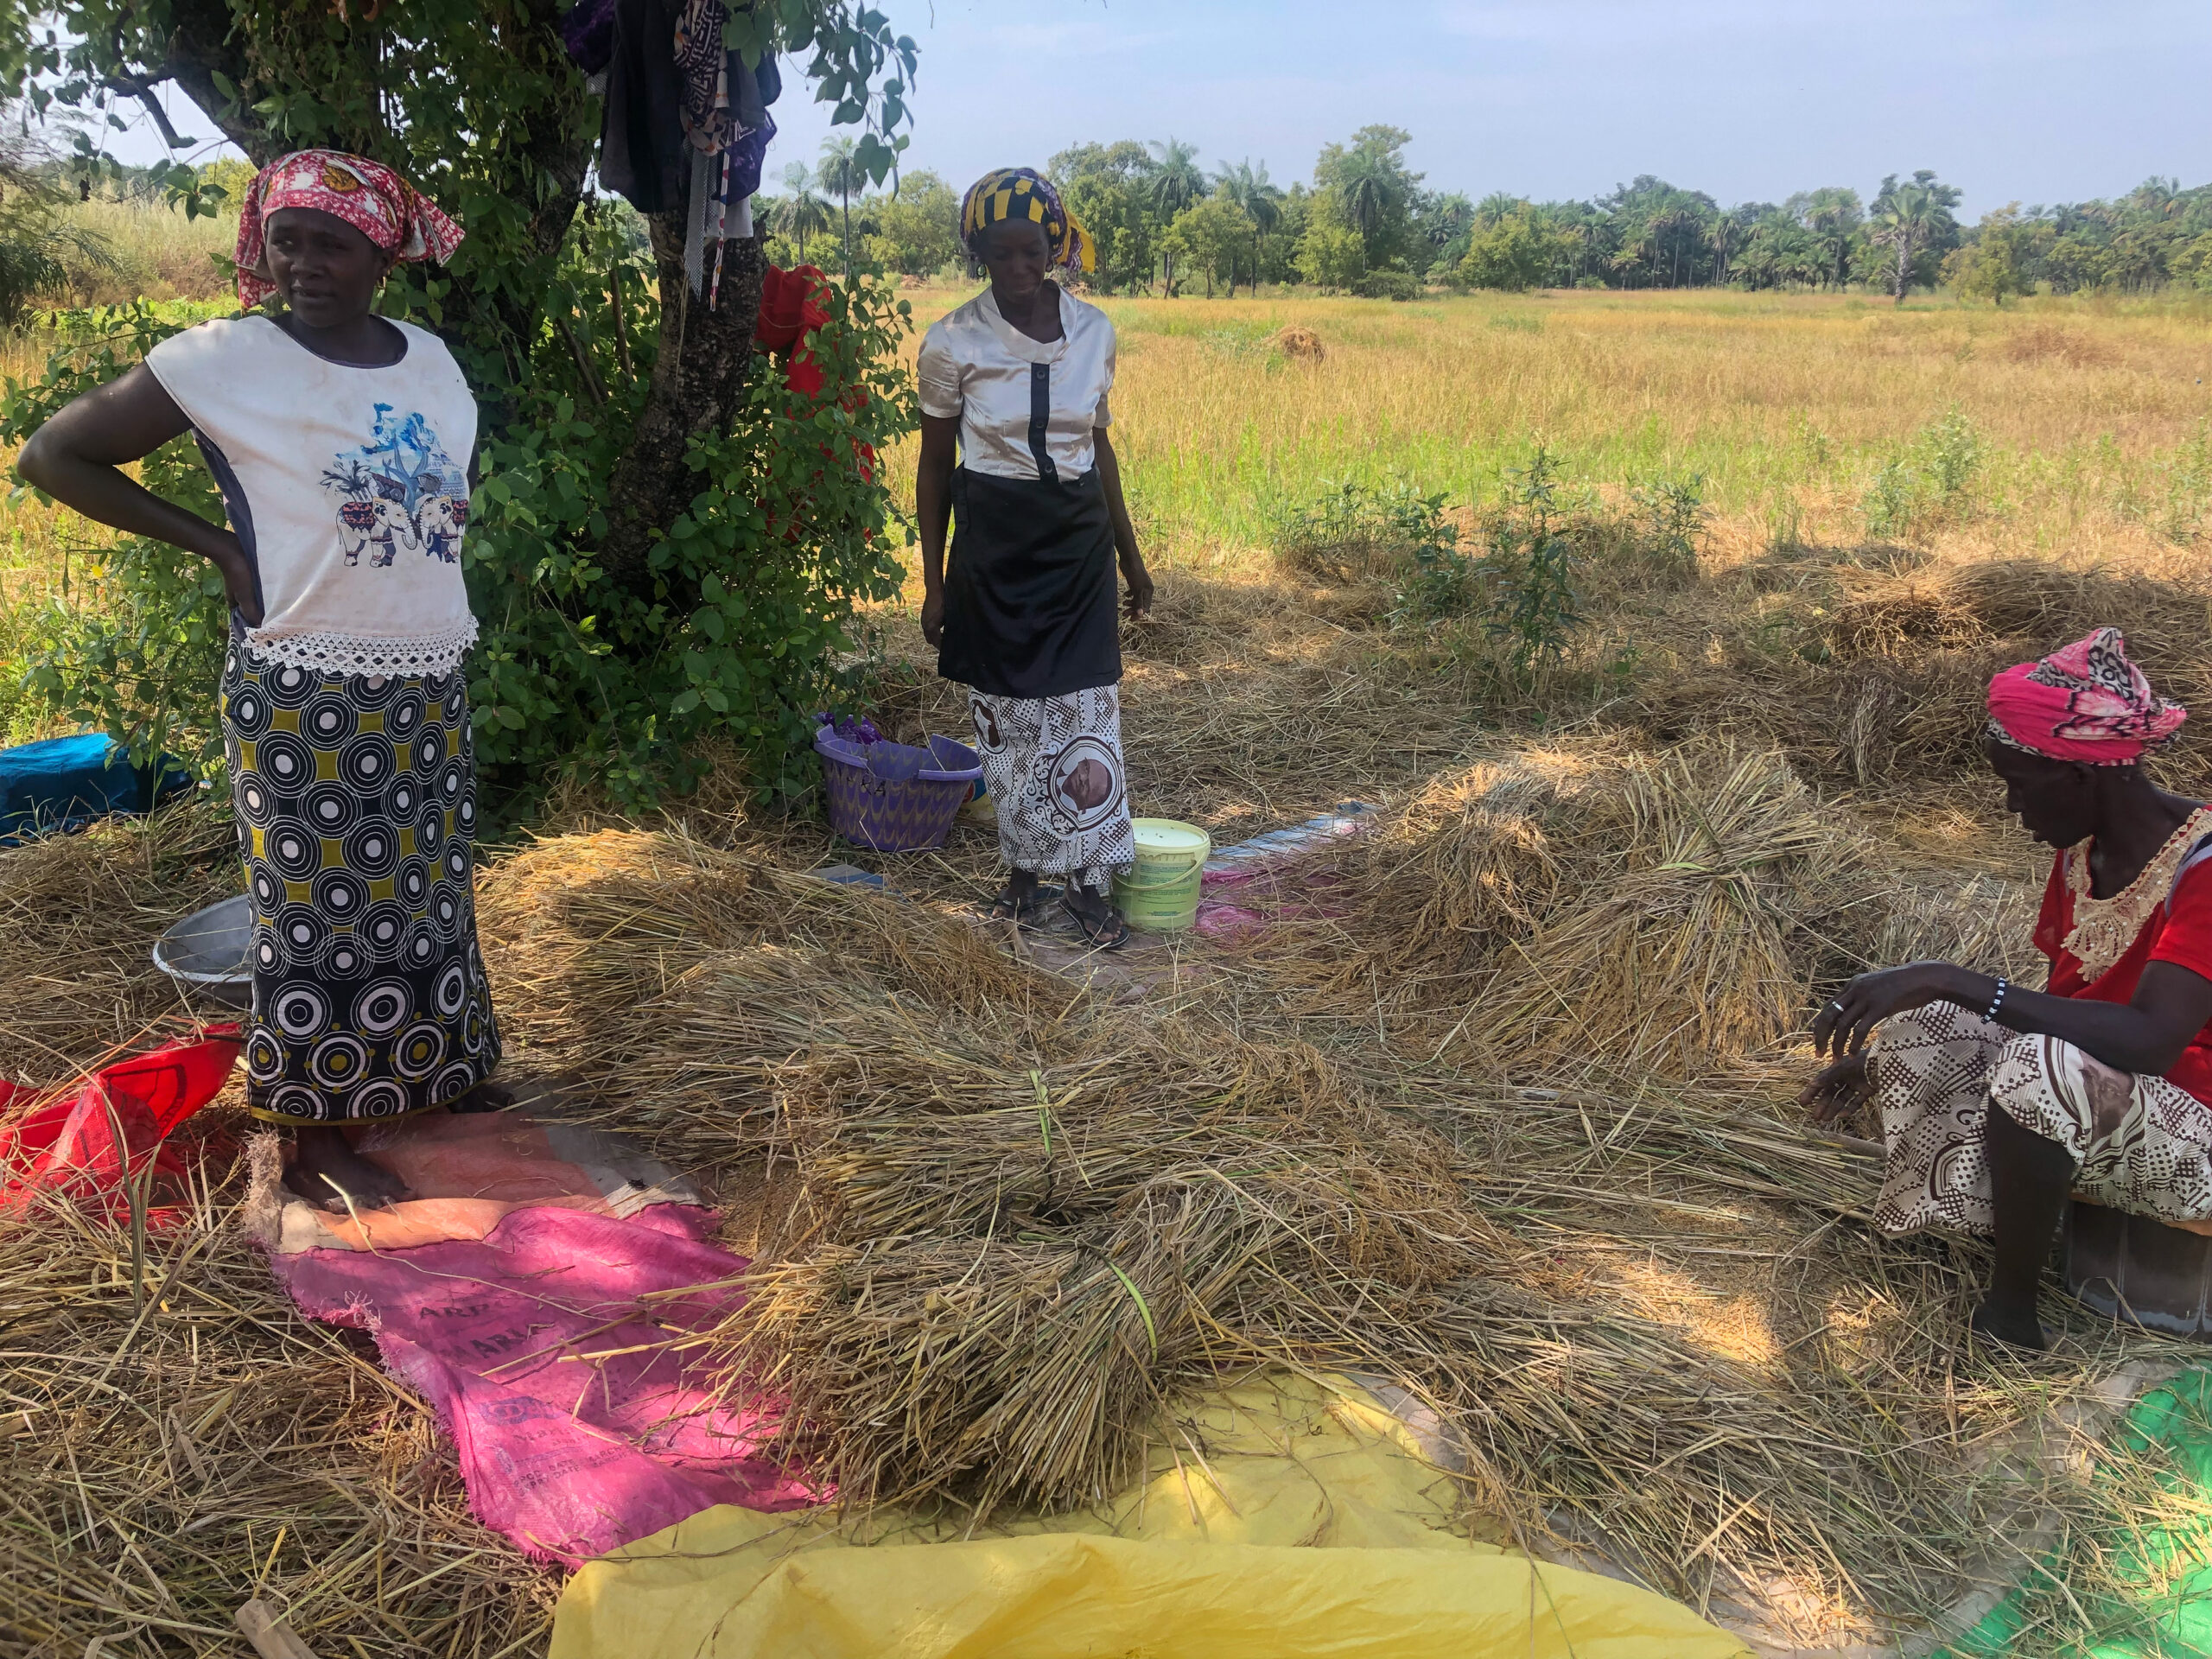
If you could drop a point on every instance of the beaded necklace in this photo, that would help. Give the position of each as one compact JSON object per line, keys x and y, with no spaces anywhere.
{"x":2103,"y":928}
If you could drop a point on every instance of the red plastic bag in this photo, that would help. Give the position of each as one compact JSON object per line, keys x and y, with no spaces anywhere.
{"x":90,"y":1141}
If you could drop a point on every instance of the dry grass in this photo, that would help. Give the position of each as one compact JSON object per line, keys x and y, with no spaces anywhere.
{"x":176,"y":1446}
{"x":79,"y":916}
{"x":1013,"y":1218}
{"x":1784,"y":402}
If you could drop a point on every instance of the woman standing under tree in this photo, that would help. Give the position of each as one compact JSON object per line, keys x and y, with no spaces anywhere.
{"x":1017,"y":380}
{"x":341,"y":443}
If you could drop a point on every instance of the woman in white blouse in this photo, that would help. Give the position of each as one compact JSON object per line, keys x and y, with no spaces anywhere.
{"x":341,"y":441}
{"x":1016,"y":381}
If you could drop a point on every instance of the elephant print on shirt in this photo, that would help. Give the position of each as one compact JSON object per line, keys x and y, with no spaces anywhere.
{"x":399,"y":492}
{"x":444,"y":518}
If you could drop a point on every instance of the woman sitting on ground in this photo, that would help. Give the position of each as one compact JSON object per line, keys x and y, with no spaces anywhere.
{"x":2099,"y":1082}
{"x":1016,"y":380}
{"x":341,"y":443}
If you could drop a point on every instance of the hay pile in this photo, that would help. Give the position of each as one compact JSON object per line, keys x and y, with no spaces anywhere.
{"x":999,"y":1221}
{"x":177,"y":1444}
{"x":1876,"y":676}
{"x":79,"y":916}
{"x":1010,"y":1221}
{"x":1591,"y":904}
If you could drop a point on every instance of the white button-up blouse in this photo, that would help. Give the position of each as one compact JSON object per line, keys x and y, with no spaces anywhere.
{"x":979,"y":366}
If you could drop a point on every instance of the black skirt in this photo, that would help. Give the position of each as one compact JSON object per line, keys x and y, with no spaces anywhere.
{"x":1029,"y":591}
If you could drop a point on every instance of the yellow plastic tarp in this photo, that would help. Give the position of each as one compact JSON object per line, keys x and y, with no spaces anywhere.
{"x":1281,"y":1517}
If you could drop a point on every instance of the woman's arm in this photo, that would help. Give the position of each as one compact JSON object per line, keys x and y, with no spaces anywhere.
{"x":77,"y":457}
{"x":1125,"y":533}
{"x":933,"y":506}
{"x":2145,"y":1036}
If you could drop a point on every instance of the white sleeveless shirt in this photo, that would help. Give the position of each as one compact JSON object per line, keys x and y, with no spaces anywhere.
{"x":348,"y":486}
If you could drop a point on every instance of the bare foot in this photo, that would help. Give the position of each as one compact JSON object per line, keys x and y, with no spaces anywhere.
{"x":325,"y":1164}
{"x":2014,"y":1330}
{"x":485,"y":1097}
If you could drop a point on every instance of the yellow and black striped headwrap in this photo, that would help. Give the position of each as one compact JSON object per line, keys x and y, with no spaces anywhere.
{"x":1023,"y":193}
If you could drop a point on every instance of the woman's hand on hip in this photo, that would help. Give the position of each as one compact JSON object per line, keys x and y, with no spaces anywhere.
{"x":227,"y":554}
{"x":933,"y":617}
{"x":1845,"y":1026}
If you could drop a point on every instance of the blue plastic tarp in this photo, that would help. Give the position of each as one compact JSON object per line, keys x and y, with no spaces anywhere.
{"x":64,"y":783}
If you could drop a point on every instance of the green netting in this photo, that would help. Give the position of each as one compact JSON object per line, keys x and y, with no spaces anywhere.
{"x":2145,"y":1591}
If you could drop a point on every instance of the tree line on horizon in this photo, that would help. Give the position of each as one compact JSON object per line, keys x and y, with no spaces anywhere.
{"x":1366,"y":225}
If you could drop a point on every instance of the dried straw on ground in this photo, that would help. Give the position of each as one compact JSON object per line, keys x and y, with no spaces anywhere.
{"x":1015,"y":1219}
{"x":1590,"y":902}
{"x":79,"y":916}
{"x":1004,"y":1218}
{"x":182,"y":1442}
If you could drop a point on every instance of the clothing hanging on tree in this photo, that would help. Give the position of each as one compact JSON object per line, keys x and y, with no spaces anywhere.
{"x":684,"y":120}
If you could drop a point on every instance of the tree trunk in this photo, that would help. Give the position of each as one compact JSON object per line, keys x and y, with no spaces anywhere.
{"x":1904,"y":263}
{"x":699,"y":381}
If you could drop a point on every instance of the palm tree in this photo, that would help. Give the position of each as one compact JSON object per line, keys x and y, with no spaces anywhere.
{"x":841,"y":173}
{"x":1832,"y":213}
{"x":1173,"y":182}
{"x":802,"y":212}
{"x":1261,"y":202}
{"x":1906,"y":217}
{"x":1372,"y":194}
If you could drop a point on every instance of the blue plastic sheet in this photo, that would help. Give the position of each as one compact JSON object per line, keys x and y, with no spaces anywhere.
{"x":64,"y":783}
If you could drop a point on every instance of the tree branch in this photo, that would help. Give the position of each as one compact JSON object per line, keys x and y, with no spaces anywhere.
{"x":202,"y":43}
{"x":142,"y":88}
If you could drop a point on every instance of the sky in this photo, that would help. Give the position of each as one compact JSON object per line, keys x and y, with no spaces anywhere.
{"x":1748,"y":101}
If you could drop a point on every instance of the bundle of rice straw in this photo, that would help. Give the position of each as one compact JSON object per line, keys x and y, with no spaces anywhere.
{"x":177,"y":1439}
{"x":1047,"y":1253}
{"x":1587,"y":904}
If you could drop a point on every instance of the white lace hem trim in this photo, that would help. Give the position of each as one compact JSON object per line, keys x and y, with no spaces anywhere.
{"x":354,"y":654}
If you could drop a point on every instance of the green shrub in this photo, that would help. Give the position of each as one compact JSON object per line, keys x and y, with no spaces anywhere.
{"x":1669,"y":523}
{"x":1387,"y":285}
{"x":1353,"y":532}
{"x":2188,"y":485}
{"x":1532,"y":605}
{"x":1934,"y":477}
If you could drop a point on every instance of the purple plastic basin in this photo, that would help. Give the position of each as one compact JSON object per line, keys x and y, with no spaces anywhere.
{"x":893,"y":797}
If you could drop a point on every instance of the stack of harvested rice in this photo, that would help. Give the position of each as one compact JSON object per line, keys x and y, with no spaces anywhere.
{"x":1590,"y":905}
{"x":79,"y":917}
{"x":1015,"y":1221}
{"x":177,"y":1441}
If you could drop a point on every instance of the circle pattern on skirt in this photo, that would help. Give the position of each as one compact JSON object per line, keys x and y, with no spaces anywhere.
{"x":356,"y":803}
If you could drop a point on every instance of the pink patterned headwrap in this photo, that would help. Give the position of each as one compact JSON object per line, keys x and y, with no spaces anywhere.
{"x":2087,"y":702}
{"x":368,"y":195}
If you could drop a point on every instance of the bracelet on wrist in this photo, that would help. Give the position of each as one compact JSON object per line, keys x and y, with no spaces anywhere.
{"x":1998,"y":1000}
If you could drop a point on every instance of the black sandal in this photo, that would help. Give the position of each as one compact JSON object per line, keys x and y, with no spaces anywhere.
{"x":1102,"y":929}
{"x":1022,"y":909}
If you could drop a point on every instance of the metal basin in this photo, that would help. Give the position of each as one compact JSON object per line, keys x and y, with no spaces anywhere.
{"x":206,"y":953}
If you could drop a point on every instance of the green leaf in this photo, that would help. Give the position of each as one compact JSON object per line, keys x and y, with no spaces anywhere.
{"x":1151,"y":1331}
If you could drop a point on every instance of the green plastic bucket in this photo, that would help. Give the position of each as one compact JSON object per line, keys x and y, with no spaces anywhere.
{"x":1160,"y":893}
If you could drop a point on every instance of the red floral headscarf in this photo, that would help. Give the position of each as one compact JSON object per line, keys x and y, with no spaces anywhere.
{"x":2087,"y":703}
{"x":368,"y":195}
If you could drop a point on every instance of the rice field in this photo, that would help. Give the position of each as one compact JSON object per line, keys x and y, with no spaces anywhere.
{"x":2090,"y":415}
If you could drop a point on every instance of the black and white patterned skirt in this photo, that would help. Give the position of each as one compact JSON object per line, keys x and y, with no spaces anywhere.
{"x":356,"y":801}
